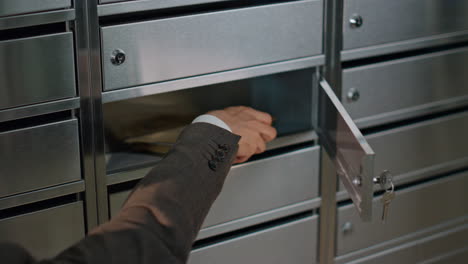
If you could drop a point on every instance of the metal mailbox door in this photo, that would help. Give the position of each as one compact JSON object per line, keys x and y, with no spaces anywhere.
{"x":351,"y":154}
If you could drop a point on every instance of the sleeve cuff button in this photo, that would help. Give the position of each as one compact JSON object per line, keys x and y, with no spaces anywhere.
{"x":212,"y":164}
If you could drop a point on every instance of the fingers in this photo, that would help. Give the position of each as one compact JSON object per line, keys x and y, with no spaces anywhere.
{"x":267,"y":132}
{"x":252,"y":125}
{"x":259,"y":115}
{"x":256,"y":114}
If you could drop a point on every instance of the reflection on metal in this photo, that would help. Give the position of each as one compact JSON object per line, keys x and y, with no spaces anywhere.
{"x":48,"y":63}
{"x":393,"y":21}
{"x":16,"y":7}
{"x":37,"y":19}
{"x":348,"y":149}
{"x":213,"y":78}
{"x":232,"y":39}
{"x":114,"y":7}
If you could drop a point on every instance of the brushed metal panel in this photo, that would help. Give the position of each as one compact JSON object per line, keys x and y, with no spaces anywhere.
{"x":259,"y":186}
{"x":39,"y":109}
{"x":456,"y":257}
{"x":400,"y":46}
{"x":445,"y":247}
{"x":114,"y":1}
{"x":132,"y":5}
{"x":422,"y":149}
{"x":263,"y":185}
{"x":294,"y":242}
{"x":413,"y":209}
{"x":393,"y":88}
{"x":39,"y":157}
{"x":347,"y":148}
{"x":397,"y":20}
{"x":42,"y":194}
{"x":15,"y":7}
{"x":35,"y":19}
{"x":37,"y":69}
{"x":186,"y":46}
{"x":47,"y":232}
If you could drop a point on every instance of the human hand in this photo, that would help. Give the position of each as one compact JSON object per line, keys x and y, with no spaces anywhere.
{"x":252,"y":125}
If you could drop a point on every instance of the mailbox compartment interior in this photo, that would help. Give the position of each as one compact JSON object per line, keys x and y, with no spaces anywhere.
{"x":139,"y":131}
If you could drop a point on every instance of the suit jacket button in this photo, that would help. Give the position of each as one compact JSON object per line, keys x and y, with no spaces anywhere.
{"x":224,"y":147}
{"x":212,"y":164}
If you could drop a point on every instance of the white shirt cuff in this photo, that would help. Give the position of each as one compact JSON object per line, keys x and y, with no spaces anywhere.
{"x":210,"y":119}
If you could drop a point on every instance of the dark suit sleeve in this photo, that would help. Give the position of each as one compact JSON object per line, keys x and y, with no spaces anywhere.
{"x":163,"y":215}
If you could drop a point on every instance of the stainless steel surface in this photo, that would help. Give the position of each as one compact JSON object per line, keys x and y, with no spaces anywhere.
{"x":400,"y":46}
{"x":348,"y":149}
{"x":39,"y":109}
{"x":455,"y":257}
{"x":113,"y":7}
{"x":400,"y":88}
{"x":37,"y":19}
{"x":214,"y":78}
{"x":414,"y":209}
{"x":95,"y":78}
{"x":264,"y":184}
{"x":47,"y":232}
{"x":15,"y":7}
{"x":116,"y":201}
{"x":332,"y":46}
{"x":83,"y":73}
{"x":211,"y":42}
{"x":43,"y":194}
{"x":259,"y":218}
{"x":429,"y":147}
{"x":400,"y":20}
{"x":445,"y":247}
{"x":48,"y":63}
{"x":38,"y":157}
{"x":410,"y":238}
{"x":125,"y":176}
{"x":293,"y":242}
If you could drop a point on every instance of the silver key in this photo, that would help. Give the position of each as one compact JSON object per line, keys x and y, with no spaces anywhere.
{"x":387,"y":198}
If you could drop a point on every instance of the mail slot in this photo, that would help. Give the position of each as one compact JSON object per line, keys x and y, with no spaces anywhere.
{"x":171,"y":3}
{"x":142,"y":129}
{"x":178,"y":47}
{"x":17,"y":7}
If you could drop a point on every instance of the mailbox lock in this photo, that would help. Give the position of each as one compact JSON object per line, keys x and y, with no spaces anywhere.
{"x":347,"y":228}
{"x":385,"y":180}
{"x":356,"y":21}
{"x":353,"y":95}
{"x":118,"y":57}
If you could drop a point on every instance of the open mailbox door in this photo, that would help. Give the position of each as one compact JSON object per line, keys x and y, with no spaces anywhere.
{"x":348,"y":149}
